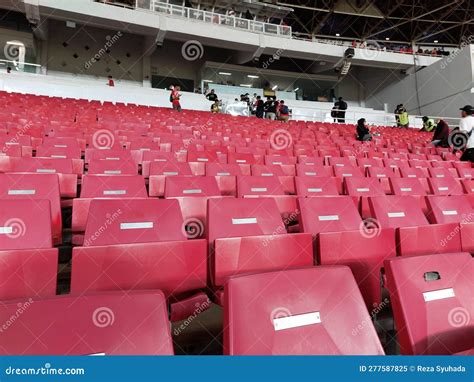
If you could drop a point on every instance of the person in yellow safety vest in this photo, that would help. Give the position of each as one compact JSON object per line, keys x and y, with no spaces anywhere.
{"x":428,"y":124}
{"x":403,"y":117}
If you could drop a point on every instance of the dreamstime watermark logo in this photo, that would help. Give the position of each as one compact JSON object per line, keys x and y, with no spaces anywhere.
{"x":193,"y":228}
{"x":464,"y":220}
{"x":110,"y":41}
{"x":13,"y":141}
{"x":465,"y":41}
{"x":281,"y":229}
{"x":373,"y":314}
{"x":14,"y":228}
{"x":459,"y":317}
{"x":103,"y":317}
{"x":279,"y":312}
{"x":371,"y":51}
{"x":458,"y":140}
{"x":103,"y":139}
{"x":11,"y":50}
{"x":192,"y":50}
{"x":370,"y":228}
{"x":22,"y":308}
{"x":275,"y":57}
{"x":110,"y":219}
{"x":281,"y":139}
{"x":200,"y":307}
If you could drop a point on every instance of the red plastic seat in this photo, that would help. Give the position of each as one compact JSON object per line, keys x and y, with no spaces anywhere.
{"x":364,"y":251}
{"x":111,"y":167}
{"x":440,"y":172}
{"x":191,"y":186}
{"x":248,"y":235}
{"x":328,"y":214}
{"x":143,"y":246}
{"x":432,"y":302}
{"x":415,"y":236}
{"x":311,"y":311}
{"x":406,"y":186}
{"x":159,"y":171}
{"x":28,"y":261}
{"x":36,"y":187}
{"x":451,"y":209}
{"x":308,"y":186}
{"x":88,"y":325}
{"x":445,"y":186}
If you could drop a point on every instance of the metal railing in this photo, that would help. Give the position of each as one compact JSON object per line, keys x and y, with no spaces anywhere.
{"x":17,"y":66}
{"x":214,"y":18}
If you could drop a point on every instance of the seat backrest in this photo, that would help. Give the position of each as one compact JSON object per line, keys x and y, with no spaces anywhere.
{"x":35,"y":187}
{"x":133,"y":221}
{"x":406,"y":186}
{"x":44,"y":165}
{"x":307,"y":186}
{"x":267,"y":170}
{"x":449,"y":209}
{"x":253,"y":186}
{"x":191,"y":186}
{"x":25,"y":224}
{"x":264,"y":306}
{"x":439,"y":172}
{"x":217,"y":169}
{"x":229,"y":217}
{"x":397,"y":211}
{"x":381,"y":172}
{"x":328,"y":214}
{"x":348,"y":171}
{"x":243,"y":158}
{"x":313,"y":170}
{"x":202,"y":156}
{"x":445,"y":186}
{"x":112,"y":167}
{"x":100,"y":320}
{"x":412,"y":172}
{"x":58,"y":152}
{"x":170,"y":169}
{"x":358,"y":186}
{"x":432,"y":302}
{"x":117,"y":186}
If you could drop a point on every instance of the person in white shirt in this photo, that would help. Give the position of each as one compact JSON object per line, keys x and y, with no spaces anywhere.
{"x":466,"y":124}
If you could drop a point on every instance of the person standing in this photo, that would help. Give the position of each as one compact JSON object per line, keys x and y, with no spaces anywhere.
{"x":269,"y":108}
{"x":212,"y":96}
{"x":259,"y":107}
{"x":403,"y":118}
{"x":215,"y":107}
{"x":341,"y":107}
{"x":110,"y":81}
{"x":466,"y":124}
{"x":175,"y":97}
{"x":283,"y":112}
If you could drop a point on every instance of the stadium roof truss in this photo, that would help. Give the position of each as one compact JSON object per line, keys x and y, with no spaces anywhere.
{"x":402,"y":21}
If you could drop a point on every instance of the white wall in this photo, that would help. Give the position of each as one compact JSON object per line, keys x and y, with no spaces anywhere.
{"x":442,"y":88}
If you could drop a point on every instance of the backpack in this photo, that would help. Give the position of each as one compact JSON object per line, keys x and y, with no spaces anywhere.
{"x":284,"y":110}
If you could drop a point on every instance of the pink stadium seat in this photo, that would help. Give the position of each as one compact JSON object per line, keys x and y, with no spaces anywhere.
{"x":249,"y":236}
{"x":148,"y":238}
{"x":111,"y":167}
{"x":58,"y":152}
{"x":88,"y":325}
{"x":445,"y":186}
{"x":28,"y":261}
{"x":187,"y":186}
{"x":414,"y":234}
{"x":225,"y":175}
{"x":406,"y":186}
{"x":364,"y":251}
{"x":308,"y":186}
{"x":159,"y":171}
{"x":264,"y":307}
{"x":313,"y":170}
{"x":104,"y":186}
{"x":328,"y":214}
{"x":35,"y":187}
{"x":433,"y":310}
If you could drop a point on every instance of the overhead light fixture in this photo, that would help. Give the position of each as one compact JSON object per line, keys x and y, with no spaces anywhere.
{"x":207,"y":81}
{"x":252,"y":76}
{"x":338,"y":35}
{"x":387,"y":38}
{"x":297,"y":89}
{"x":246,"y":85}
{"x":435,"y":41}
{"x":225,"y":74}
{"x":275,"y":87}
